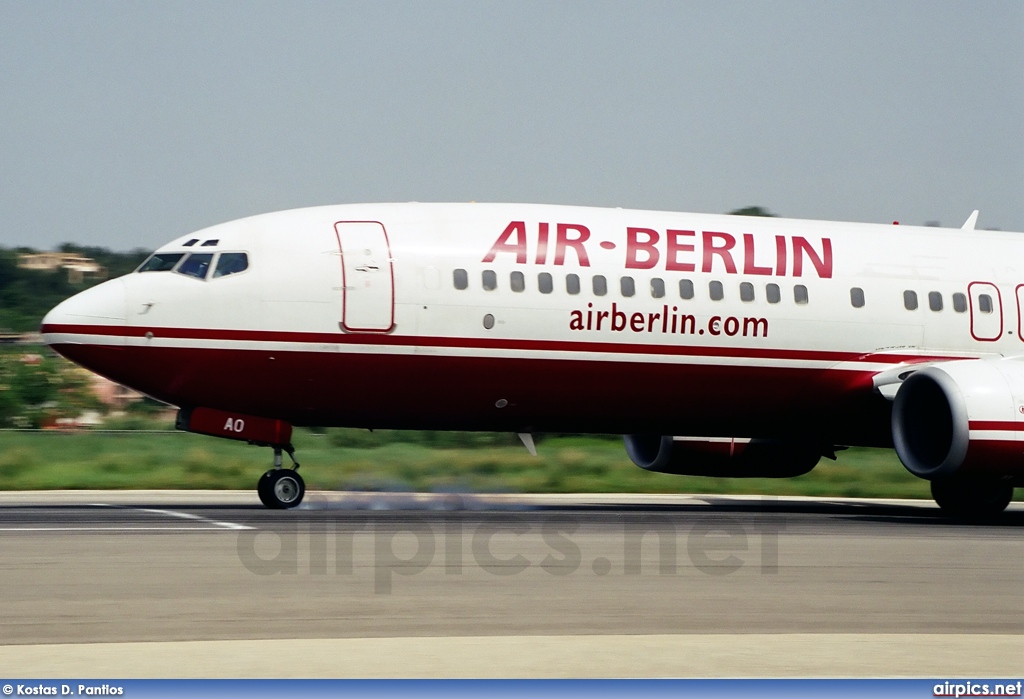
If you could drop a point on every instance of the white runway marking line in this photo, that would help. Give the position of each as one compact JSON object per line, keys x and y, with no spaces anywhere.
{"x":232,"y":526}
{"x":212,"y":524}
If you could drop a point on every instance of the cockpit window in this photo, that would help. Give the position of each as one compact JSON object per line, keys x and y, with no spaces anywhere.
{"x":196,"y":265}
{"x":231,"y":263}
{"x":161,"y":262}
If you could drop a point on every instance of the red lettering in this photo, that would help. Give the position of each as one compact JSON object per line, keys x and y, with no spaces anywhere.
{"x":634,"y":246}
{"x":636,"y":322}
{"x":675,"y":246}
{"x":502,"y":245}
{"x":542,"y":244}
{"x":749,"y":266}
{"x":563,"y":241}
{"x":780,"y":256}
{"x":754,"y":326}
{"x":822,"y":265}
{"x":722,"y":251}
{"x":616,"y":315}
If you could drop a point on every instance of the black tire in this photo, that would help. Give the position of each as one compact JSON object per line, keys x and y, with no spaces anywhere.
{"x":263,"y":488}
{"x":977,"y":499}
{"x":284,"y":489}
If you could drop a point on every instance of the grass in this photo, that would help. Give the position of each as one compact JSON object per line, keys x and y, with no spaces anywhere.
{"x":52,"y":460}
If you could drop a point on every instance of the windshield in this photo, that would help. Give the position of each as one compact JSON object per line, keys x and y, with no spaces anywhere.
{"x":196,"y":265}
{"x":231,"y":263}
{"x":161,"y":262}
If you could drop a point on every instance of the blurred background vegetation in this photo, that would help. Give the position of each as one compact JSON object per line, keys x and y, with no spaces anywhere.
{"x":27,"y":294}
{"x":355,"y":460}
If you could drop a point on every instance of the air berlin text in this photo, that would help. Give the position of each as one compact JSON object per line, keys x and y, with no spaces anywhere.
{"x":672,"y":250}
{"x":665,"y":322}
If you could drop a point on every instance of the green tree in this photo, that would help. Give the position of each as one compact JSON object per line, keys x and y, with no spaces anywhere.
{"x":34,"y":383}
{"x":9,"y":406}
{"x":26,"y":294}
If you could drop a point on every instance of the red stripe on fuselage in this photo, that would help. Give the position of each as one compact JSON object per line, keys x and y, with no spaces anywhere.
{"x":1000,"y":425}
{"x":481,"y":343}
{"x":433,"y":391}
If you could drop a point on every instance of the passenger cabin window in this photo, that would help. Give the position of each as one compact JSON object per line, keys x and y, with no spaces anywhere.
{"x":489,"y":279}
{"x":627,"y":286}
{"x":544,"y":283}
{"x":910,"y":300}
{"x":517,"y":281}
{"x":773,"y":293}
{"x":231,"y":263}
{"x":800,"y":294}
{"x":196,"y":265}
{"x":572,"y":283}
{"x":658,"y":288}
{"x":461,"y":279}
{"x":857,"y":297}
{"x":935,"y":300}
{"x":600,"y":285}
{"x":746,"y":292}
{"x":161,"y":262}
{"x":685,"y":289}
{"x":985,"y":303}
{"x":959,"y":303}
{"x":716,"y":291}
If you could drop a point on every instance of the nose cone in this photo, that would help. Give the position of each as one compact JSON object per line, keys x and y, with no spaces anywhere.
{"x":104,"y":304}
{"x":88,"y":328}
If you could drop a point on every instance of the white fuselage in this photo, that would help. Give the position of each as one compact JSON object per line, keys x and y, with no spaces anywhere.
{"x":554,"y":318}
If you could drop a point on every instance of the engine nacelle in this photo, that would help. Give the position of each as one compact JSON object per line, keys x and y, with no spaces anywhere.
{"x":962,"y":417}
{"x":724,"y":458}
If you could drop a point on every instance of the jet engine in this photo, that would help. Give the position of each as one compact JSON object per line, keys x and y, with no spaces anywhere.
{"x":725,"y":458}
{"x":962,"y":418}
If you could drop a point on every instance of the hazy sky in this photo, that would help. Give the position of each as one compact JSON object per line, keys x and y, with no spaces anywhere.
{"x":127,"y":124}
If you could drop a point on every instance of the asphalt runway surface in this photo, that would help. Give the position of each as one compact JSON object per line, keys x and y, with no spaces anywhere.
{"x":212,"y":584}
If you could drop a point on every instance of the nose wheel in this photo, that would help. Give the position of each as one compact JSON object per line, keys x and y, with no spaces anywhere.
{"x":281,"y":488}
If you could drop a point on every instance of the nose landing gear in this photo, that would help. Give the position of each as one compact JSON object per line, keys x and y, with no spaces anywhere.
{"x":281,"y":488}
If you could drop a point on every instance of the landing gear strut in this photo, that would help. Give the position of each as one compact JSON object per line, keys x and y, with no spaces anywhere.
{"x":281,"y":488}
{"x":972,"y":498}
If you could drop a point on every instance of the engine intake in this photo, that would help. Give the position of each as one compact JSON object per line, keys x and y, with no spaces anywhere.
{"x":724,"y":458}
{"x":961,"y":417}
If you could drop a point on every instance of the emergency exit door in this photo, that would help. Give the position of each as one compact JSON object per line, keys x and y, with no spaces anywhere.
{"x":367,"y":277}
{"x":986,"y":311}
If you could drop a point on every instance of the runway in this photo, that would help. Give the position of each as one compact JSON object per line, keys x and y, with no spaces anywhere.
{"x":211,"y":584}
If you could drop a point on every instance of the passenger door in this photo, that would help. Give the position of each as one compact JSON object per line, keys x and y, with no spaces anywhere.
{"x":368,"y":304}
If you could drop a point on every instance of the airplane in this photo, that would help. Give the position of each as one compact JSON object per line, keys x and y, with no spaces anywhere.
{"x":719,"y":345}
